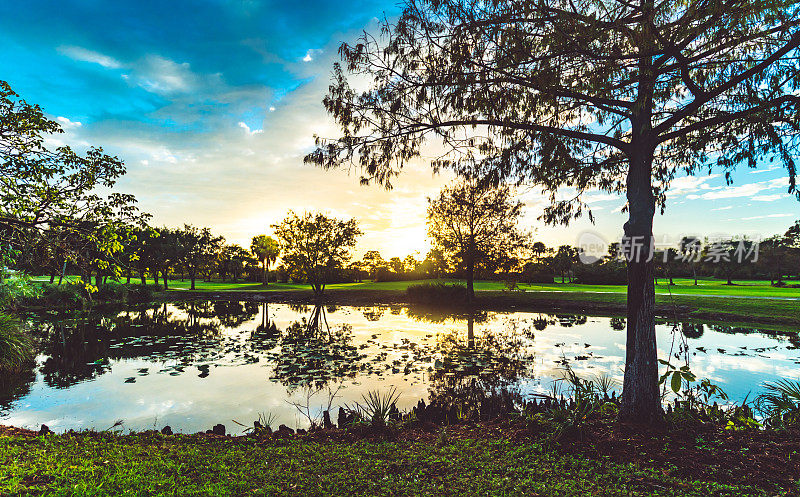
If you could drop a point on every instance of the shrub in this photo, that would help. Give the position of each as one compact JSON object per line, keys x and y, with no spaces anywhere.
{"x":601,"y":274}
{"x":16,"y":346}
{"x":139,"y":294}
{"x":17,"y":290}
{"x":378,"y":408}
{"x":437,"y":292}
{"x":111,"y":291}
{"x":62,"y":295}
{"x":780,"y":404}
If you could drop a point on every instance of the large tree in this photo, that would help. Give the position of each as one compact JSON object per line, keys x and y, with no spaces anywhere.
{"x":53,"y":191}
{"x":315,"y":246}
{"x":576,"y":96}
{"x":476,"y":225}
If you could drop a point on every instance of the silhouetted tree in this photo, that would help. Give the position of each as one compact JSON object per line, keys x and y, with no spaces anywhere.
{"x":614,"y":95}
{"x":475,"y":224}
{"x":314,"y":246}
{"x":266,"y":250}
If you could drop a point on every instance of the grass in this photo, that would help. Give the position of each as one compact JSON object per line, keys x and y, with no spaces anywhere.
{"x":151,"y":464}
{"x":682,"y":286}
{"x":16,"y":347}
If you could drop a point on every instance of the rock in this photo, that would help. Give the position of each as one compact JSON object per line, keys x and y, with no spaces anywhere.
{"x":283,"y":429}
{"x":44,"y":430}
{"x":218,"y":430}
{"x":167,"y":430}
{"x":301,"y":431}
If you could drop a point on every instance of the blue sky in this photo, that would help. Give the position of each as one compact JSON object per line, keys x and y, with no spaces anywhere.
{"x":212,"y":105}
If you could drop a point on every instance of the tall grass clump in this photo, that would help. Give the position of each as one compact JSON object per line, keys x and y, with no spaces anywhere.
{"x":378,"y":407}
{"x":16,"y":346}
{"x":437,"y":293}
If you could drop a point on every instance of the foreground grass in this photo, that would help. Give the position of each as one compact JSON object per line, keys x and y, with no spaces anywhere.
{"x":150,"y":464}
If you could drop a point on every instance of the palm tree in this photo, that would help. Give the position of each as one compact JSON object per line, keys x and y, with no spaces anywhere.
{"x":266,"y":249}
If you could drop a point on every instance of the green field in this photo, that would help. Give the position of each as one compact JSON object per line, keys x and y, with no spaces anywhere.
{"x":150,"y":464}
{"x":705,"y":287}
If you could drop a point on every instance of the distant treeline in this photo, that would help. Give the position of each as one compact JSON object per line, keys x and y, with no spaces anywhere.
{"x":164,"y":254}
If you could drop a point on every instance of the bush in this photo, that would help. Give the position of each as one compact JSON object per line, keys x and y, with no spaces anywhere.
{"x":111,"y":291}
{"x":17,"y":290}
{"x":439,"y":293}
{"x":16,"y":346}
{"x":610,"y":273}
{"x":62,"y":295}
{"x":138,"y":294}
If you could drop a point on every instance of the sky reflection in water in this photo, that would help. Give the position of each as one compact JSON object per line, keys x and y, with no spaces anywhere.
{"x":193,"y":365}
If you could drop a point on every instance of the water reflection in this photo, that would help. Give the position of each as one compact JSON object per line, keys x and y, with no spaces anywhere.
{"x":194,"y":364}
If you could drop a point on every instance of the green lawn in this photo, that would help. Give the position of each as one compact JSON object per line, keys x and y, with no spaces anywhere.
{"x":150,"y":464}
{"x":715,"y":287}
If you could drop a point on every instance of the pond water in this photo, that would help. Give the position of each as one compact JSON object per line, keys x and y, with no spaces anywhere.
{"x":192,"y":365}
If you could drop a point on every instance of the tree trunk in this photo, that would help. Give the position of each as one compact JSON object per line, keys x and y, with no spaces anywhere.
{"x":143,"y":277}
{"x":155,"y":277}
{"x":164,"y":277}
{"x":192,"y":277}
{"x":52,"y":278}
{"x":641,"y":401}
{"x":471,"y":273}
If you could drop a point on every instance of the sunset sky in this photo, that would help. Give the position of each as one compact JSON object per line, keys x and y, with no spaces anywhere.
{"x":213,"y":104}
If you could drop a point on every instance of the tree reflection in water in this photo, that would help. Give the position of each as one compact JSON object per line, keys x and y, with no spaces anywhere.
{"x":475,"y":377}
{"x":312,"y":354}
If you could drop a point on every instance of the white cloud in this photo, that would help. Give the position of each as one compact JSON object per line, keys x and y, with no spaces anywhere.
{"x":84,"y":55}
{"x":250,"y":132}
{"x":768,"y":198}
{"x":67,"y":124}
{"x":311,"y":54}
{"x":746,"y":190}
{"x":160,"y":75}
{"x":767,"y":216}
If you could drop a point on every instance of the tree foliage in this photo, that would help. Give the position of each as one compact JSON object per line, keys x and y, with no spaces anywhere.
{"x":315,"y":245}
{"x":476,"y":225}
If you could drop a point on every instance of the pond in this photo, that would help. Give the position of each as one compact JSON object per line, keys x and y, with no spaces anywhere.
{"x":192,"y":365}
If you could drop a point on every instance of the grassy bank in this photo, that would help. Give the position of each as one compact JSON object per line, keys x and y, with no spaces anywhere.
{"x":151,"y":464}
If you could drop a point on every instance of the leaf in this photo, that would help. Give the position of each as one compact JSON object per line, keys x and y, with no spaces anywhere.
{"x":676,"y":381}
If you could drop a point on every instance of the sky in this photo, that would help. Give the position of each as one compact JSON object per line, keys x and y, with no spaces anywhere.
{"x":213,"y":104}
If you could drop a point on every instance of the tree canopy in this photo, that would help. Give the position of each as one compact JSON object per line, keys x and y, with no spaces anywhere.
{"x":315,"y":245}
{"x":267,"y":250}
{"x":476,"y":225}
